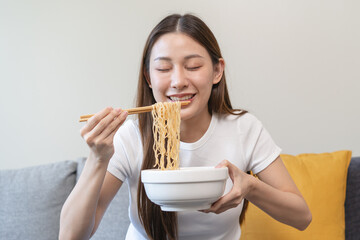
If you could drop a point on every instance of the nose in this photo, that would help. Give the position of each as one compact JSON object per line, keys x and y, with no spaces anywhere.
{"x":179,"y":79}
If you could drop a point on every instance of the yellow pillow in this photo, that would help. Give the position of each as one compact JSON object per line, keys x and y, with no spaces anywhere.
{"x":321,"y":178}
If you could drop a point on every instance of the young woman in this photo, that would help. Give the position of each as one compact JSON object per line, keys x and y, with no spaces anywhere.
{"x":182,"y":61}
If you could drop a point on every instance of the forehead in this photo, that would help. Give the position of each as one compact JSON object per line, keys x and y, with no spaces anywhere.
{"x":177,"y":45}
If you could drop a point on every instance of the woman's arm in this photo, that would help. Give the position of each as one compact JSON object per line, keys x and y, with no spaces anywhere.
{"x":108,"y":191}
{"x":86,"y":204}
{"x":274,"y":192}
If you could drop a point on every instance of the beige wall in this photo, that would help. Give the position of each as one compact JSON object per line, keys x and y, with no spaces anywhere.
{"x":294,"y":64}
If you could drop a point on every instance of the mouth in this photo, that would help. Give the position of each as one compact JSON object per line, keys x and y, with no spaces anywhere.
{"x":183,"y":97}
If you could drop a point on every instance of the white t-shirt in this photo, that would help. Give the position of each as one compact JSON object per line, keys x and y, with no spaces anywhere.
{"x":242,"y":140}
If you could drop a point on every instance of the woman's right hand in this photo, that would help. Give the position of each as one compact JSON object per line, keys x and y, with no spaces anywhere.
{"x":100,"y":130}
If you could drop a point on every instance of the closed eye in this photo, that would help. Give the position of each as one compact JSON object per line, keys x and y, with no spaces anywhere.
{"x":193,"y":68}
{"x":163,"y":69}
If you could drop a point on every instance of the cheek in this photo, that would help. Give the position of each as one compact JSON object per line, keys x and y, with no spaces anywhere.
{"x":157,"y":81}
{"x":159,"y":88}
{"x":158,"y":85}
{"x":203,"y":81}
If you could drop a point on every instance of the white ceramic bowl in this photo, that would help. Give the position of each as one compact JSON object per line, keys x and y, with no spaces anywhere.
{"x":193,"y":188}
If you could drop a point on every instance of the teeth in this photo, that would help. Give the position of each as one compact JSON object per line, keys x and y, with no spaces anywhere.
{"x":182,"y":98}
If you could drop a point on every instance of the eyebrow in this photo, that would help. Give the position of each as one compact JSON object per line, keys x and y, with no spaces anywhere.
{"x":186,"y":58}
{"x":162,"y":58}
{"x":193,"y":56}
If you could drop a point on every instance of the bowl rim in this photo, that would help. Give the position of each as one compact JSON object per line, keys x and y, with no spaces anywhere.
{"x":184,"y":175}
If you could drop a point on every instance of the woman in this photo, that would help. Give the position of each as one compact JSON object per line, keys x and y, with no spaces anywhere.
{"x":182,"y":61}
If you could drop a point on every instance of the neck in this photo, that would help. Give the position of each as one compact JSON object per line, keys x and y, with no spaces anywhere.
{"x":193,"y":129}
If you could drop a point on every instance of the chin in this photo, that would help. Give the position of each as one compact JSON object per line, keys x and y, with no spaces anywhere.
{"x":185,"y":114}
{"x":188,"y":114}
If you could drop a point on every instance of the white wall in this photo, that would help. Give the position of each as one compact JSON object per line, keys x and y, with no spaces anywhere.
{"x":294,"y":64}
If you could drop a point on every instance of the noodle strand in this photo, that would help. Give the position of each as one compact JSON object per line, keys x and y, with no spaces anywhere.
{"x":166,"y":131}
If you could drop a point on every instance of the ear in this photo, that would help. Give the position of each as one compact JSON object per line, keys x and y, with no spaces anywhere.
{"x":147,"y":77}
{"x":219,"y":71}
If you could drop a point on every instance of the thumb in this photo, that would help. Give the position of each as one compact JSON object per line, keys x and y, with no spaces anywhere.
{"x":231,"y":168}
{"x":223,"y":163}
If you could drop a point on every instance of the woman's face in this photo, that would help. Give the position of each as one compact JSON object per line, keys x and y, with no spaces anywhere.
{"x":181,"y":70}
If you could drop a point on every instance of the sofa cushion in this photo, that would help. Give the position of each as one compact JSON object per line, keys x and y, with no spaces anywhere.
{"x":31,"y":200}
{"x":321,"y":178}
{"x":352,"y":202}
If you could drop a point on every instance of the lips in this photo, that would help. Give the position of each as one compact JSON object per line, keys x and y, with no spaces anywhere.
{"x":181,"y":97}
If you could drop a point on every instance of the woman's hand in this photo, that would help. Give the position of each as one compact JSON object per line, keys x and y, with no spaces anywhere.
{"x":241,"y":186}
{"x":274,"y":192}
{"x":100,"y":130}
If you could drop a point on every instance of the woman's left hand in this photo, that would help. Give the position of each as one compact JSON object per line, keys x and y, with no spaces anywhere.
{"x":241,"y":186}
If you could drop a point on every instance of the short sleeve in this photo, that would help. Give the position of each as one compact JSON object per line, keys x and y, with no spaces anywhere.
{"x":126,"y":156}
{"x":261,"y":149}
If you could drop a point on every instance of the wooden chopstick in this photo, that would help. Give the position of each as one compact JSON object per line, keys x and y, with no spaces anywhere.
{"x":130,"y":111}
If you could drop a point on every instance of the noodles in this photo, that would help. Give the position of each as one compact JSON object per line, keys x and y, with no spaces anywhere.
{"x":166,"y":131}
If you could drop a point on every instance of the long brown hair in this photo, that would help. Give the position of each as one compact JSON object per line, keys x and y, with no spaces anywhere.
{"x":161,"y":225}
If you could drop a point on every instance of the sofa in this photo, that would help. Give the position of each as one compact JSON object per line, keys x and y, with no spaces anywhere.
{"x":31,"y":200}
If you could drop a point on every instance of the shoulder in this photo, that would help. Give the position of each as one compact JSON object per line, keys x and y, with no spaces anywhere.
{"x":243,"y":122}
{"x":128,"y":150}
{"x":130,"y":125}
{"x":129,"y":131}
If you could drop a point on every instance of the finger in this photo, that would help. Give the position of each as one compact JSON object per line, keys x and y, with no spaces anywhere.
{"x":225,"y":208}
{"x":231,"y":168}
{"x":224,"y":204}
{"x":215,"y":206}
{"x":223,"y":163}
{"x":232,"y":198}
{"x":94,"y":120}
{"x":223,"y":201}
{"x":110,"y":131}
{"x":99,"y":128}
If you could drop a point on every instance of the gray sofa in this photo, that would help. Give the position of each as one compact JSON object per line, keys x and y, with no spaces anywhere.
{"x":31,"y":200}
